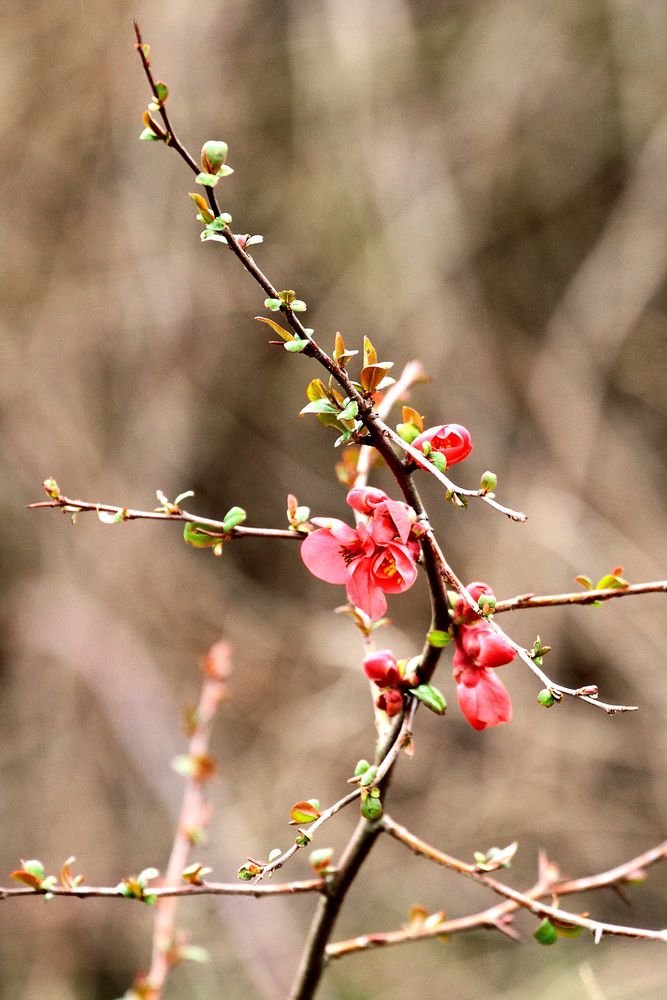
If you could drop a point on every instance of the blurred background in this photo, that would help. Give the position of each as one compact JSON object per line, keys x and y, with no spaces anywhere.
{"x":477,"y":184}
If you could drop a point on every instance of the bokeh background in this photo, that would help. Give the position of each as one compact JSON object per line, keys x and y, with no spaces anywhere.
{"x":478,"y":184}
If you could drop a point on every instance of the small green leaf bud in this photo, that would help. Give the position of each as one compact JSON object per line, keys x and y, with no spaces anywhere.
{"x":488,"y":482}
{"x":546,"y":698}
{"x":213,"y":155}
{"x":371,"y":808}
{"x":408,"y":432}
{"x":361,"y":768}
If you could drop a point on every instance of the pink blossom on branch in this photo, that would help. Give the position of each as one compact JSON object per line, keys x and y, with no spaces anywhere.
{"x":482,"y":697}
{"x":377,"y":557}
{"x":384,"y":669}
{"x":449,"y":440}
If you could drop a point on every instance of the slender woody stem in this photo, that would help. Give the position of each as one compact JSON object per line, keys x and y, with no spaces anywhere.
{"x":579,"y":597}
{"x":598,"y":928}
{"x":499,"y":917}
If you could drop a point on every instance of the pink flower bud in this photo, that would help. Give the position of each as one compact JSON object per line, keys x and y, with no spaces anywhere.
{"x":390,"y":702}
{"x":451,"y":440}
{"x":462,"y":610}
{"x":382,"y":668}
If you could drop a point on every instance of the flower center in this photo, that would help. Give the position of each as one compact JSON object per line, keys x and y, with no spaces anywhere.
{"x":388,"y":566}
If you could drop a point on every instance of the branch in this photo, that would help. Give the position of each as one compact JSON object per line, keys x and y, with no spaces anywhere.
{"x":413,"y":372}
{"x":579,"y":597}
{"x":418,"y":457}
{"x":587,"y":693}
{"x":70,"y":506}
{"x":193,"y":816}
{"x":598,"y":928}
{"x":161,"y":892}
{"x":499,"y":917}
{"x":387,"y":762}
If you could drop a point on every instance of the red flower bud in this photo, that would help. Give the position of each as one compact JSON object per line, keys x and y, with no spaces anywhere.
{"x":390,"y":702}
{"x":451,"y":440}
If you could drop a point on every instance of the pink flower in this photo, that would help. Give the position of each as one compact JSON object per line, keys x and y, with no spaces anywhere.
{"x":483,"y":646}
{"x":451,"y":440}
{"x":463,"y":613}
{"x":373,"y":559}
{"x":483,"y":698}
{"x":383,"y":669}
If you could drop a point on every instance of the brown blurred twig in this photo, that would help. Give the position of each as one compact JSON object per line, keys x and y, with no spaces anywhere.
{"x":499,"y":917}
{"x":166,"y":950}
{"x":598,"y":928}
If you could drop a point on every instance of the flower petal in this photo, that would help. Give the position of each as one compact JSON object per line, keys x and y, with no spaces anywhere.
{"x":322,"y":554}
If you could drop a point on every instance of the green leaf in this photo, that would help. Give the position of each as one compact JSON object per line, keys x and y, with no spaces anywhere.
{"x":272,"y":304}
{"x":546,"y":933}
{"x":437,"y":459}
{"x":350,"y":411}
{"x":233,"y":517}
{"x":162,"y":92}
{"x":361,"y":768}
{"x":299,"y":306}
{"x":612,"y":581}
{"x":218,"y":224}
{"x":148,"y":135}
{"x":303,"y":812}
{"x":199,"y":535}
{"x":436,"y":637}
{"x":368,"y":777}
{"x":34,"y":868}
{"x":431,"y":697}
{"x":319,"y":406}
{"x":296,"y":346}
{"x":208,"y":180}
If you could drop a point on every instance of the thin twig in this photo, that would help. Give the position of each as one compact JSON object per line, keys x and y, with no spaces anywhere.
{"x":598,"y":928}
{"x":582,"y":694}
{"x":499,"y":917}
{"x":216,"y":667}
{"x":70,"y":506}
{"x":418,"y":457}
{"x":579,"y":597}
{"x":384,"y":767}
{"x":205,"y":889}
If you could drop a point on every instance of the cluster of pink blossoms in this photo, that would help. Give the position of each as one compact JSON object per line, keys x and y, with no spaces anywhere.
{"x":377,"y":557}
{"x":482,"y":697}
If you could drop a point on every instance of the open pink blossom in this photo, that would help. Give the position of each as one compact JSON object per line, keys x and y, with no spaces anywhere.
{"x":451,"y":440}
{"x":482,"y":697}
{"x":377,"y":557}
